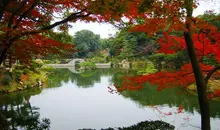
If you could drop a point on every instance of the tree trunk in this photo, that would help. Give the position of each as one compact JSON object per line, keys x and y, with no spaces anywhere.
{"x":3,"y":55}
{"x":200,"y":83}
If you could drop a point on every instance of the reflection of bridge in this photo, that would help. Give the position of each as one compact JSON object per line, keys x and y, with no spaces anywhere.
{"x":72,"y":63}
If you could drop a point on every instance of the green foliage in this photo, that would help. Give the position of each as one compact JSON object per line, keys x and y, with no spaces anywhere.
{"x":97,"y":59}
{"x":52,"y":59}
{"x":114,"y":60}
{"x":157,"y":56}
{"x":86,"y":41}
{"x":11,"y":81}
{"x":212,"y":86}
{"x":139,"y":64}
{"x":105,"y":43}
{"x":128,"y":45}
{"x":19,"y":67}
{"x":47,"y":68}
{"x":36,"y":64}
{"x":211,"y":18}
{"x":63,"y":37}
{"x":178,"y":59}
{"x":148,"y":70}
{"x":17,"y":75}
{"x":28,"y":85}
{"x":209,"y":60}
{"x":26,"y":71}
{"x":129,"y":48}
{"x":6,"y":79}
{"x":87,"y":65}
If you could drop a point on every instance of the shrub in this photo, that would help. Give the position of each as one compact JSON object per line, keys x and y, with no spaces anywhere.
{"x":46,"y":61}
{"x":56,"y":61}
{"x":47,"y":68}
{"x":17,"y":75}
{"x":87,"y":65}
{"x":148,"y":70}
{"x":36,"y":64}
{"x":139,"y":64}
{"x":26,"y":71}
{"x":97,"y":59}
{"x":19,"y":67}
{"x":6,"y":80}
{"x":115,"y":60}
{"x":28,"y":84}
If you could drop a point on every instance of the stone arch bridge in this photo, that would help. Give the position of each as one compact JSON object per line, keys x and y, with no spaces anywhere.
{"x":72,"y":63}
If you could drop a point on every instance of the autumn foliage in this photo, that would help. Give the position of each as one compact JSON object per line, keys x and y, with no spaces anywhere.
{"x":167,"y":17}
{"x":184,"y":77}
{"x":24,"y":24}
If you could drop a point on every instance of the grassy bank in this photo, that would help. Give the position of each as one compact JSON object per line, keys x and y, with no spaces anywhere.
{"x":22,"y":77}
{"x":213,"y":85}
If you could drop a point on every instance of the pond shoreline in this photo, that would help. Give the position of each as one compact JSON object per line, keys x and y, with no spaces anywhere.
{"x":26,"y":81}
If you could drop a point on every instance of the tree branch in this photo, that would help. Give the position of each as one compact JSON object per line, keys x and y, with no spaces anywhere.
{"x":24,"y":14}
{"x":69,"y":18}
{"x":11,"y":20}
{"x":14,"y":12}
{"x":211,"y":73}
{"x":3,"y":5}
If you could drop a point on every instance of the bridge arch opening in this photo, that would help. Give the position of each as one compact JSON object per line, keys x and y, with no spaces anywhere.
{"x":76,"y":61}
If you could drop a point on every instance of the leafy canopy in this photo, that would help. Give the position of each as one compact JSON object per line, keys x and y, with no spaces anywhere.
{"x":87,"y":43}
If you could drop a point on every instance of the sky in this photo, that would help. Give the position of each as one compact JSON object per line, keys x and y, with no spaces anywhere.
{"x":105,"y":30}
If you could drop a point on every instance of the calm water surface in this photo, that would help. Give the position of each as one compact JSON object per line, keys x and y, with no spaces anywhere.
{"x":75,"y":101}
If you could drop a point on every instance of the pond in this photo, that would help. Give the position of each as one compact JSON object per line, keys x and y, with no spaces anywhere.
{"x":75,"y":101}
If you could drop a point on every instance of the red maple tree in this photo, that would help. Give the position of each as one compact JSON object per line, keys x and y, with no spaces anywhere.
{"x":23,"y":24}
{"x":198,"y":37}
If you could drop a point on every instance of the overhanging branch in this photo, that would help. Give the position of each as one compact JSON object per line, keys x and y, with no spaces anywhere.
{"x":24,"y":15}
{"x":208,"y":76}
{"x":69,"y":18}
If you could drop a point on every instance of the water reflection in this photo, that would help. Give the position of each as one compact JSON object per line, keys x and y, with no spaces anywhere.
{"x":16,"y":112}
{"x":171,"y":97}
{"x":146,"y":97}
{"x":74,"y":101}
{"x":85,"y":79}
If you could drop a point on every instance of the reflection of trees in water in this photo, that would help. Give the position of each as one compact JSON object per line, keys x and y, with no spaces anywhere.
{"x":16,"y":112}
{"x":145,"y":97}
{"x":117,"y":74}
{"x":171,"y":97}
{"x":85,"y":79}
